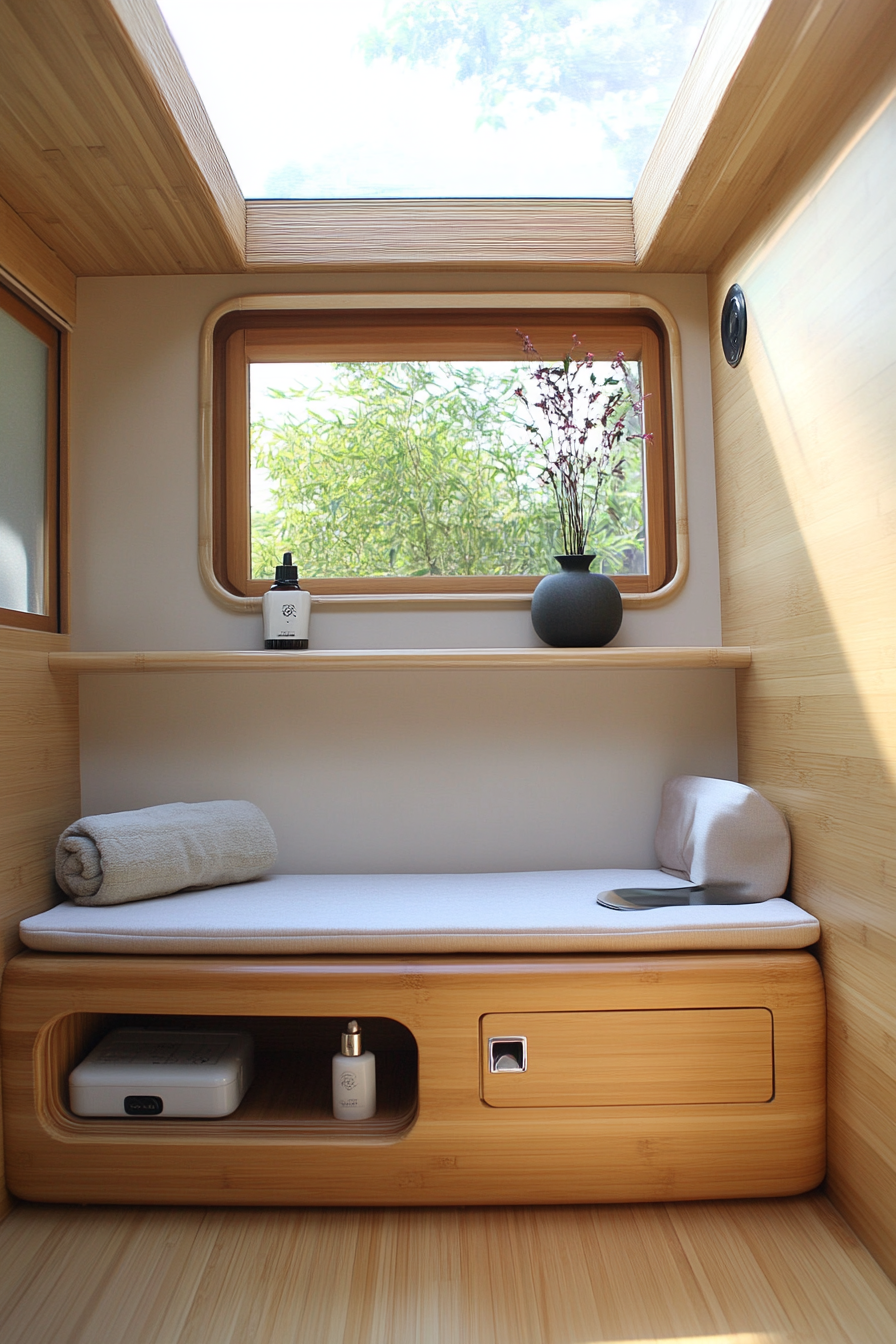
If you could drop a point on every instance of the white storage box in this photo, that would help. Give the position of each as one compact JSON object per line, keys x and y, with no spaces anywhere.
{"x":172,"y":1074}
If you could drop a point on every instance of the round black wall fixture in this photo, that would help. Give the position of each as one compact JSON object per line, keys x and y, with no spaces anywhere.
{"x":734,"y":325}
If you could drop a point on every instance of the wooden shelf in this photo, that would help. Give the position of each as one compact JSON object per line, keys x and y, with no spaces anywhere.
{"x":330,"y":659}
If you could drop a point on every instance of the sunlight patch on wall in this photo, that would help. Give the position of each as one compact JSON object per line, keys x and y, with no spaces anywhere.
{"x":820,"y":299}
{"x":426,"y":98}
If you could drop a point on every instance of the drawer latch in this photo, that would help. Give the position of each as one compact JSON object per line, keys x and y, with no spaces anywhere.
{"x":507,"y":1054}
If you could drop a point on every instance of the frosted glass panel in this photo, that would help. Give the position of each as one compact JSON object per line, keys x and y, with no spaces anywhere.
{"x":23,"y":468}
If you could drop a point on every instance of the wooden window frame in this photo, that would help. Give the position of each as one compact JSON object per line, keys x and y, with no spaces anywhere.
{"x":55,"y":338}
{"x":320,"y":328}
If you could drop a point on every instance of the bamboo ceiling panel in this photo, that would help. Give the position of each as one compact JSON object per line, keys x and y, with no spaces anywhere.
{"x":106,"y":150}
{"x":32,"y":269}
{"x":342,"y":235}
{"x":768,"y":86}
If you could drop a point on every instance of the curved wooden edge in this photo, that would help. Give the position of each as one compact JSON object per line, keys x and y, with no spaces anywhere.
{"x":240,"y":660}
{"x":65,"y":1037}
{"x":286,"y":302}
{"x":682,"y":543}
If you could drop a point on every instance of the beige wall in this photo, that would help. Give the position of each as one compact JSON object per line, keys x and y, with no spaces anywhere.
{"x":404,"y":771}
{"x":806,"y":468}
{"x":135,"y":413}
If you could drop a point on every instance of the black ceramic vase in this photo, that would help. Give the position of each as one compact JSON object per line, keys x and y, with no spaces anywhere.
{"x":576,"y":609}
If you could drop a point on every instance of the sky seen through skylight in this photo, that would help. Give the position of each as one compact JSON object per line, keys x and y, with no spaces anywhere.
{"x":437,"y":98}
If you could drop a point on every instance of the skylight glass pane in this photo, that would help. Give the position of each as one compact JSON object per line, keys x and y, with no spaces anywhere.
{"x":428,"y":98}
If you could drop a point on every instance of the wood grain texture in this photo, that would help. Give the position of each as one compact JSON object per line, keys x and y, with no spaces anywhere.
{"x":764,"y":1272}
{"x":707,"y":82}
{"x":106,"y":151}
{"x":682,"y":1057}
{"x":39,"y":780}
{"x":769,"y":85}
{"x":458,"y":1150}
{"x":806,"y":479}
{"x":185,"y":118}
{"x":498,"y":234}
{"x":233,"y":660}
{"x":33,"y":269}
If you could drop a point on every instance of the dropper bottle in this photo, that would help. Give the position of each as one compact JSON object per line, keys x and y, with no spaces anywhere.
{"x":354,"y":1078}
{"x":286,"y":609}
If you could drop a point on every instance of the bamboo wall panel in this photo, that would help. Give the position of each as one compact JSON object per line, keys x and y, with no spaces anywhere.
{"x":762,"y":1272}
{"x":769,"y":85}
{"x":29,"y":265}
{"x":39,"y":780}
{"x":106,"y":150}
{"x":498,"y":234}
{"x":806,"y":477}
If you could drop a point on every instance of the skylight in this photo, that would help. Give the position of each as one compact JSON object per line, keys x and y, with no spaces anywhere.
{"x":437,"y":98}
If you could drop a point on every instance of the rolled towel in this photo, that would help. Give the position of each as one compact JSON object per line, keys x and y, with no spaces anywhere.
{"x":723,"y":834}
{"x":129,"y":856}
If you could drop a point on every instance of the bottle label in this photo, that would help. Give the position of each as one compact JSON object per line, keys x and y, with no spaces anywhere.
{"x":286,"y":615}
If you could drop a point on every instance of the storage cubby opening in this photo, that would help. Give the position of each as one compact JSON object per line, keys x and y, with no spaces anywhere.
{"x":290,"y":1095}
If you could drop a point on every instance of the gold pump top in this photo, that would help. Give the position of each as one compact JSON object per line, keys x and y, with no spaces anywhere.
{"x":351,"y":1039}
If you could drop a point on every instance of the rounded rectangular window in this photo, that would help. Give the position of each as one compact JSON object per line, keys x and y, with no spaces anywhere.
{"x":390,"y":451}
{"x":29,"y":467}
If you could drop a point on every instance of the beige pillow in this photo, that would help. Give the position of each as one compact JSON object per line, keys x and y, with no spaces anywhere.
{"x":719,"y":833}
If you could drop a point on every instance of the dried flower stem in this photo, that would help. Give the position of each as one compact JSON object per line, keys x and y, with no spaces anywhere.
{"x":580,"y":431}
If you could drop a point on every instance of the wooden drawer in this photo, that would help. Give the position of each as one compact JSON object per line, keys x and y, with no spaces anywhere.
{"x":683,"y":1056}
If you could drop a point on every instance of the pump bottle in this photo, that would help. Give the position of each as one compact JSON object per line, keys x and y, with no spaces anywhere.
{"x":354,"y":1078}
{"x":286,"y":609}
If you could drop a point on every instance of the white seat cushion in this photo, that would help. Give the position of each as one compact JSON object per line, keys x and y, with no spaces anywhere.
{"x":436,"y":912}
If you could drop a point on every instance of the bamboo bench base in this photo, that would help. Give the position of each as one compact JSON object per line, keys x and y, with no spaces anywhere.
{"x":669,"y":1076}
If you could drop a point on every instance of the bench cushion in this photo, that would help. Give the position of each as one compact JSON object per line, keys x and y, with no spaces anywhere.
{"x":429,"y":913}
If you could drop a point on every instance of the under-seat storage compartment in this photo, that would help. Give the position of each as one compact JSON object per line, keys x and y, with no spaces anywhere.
{"x":666,"y":1057}
{"x":290,"y":1092}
